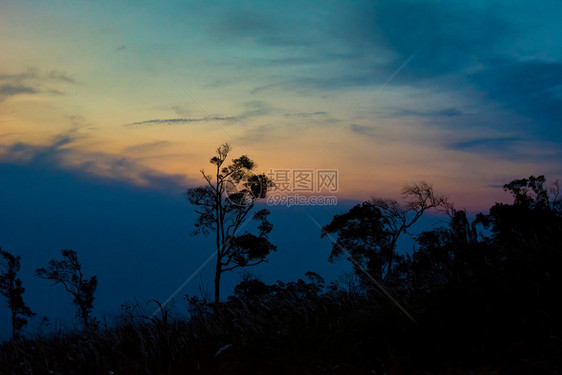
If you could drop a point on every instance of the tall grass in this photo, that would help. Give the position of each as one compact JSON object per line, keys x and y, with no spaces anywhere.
{"x":289,"y":328}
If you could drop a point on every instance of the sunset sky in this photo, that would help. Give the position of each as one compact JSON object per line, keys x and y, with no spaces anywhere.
{"x":111,"y":107}
{"x":464,"y":95}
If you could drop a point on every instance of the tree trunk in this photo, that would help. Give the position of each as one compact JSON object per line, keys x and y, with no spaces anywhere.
{"x":218,"y":280}
{"x":85,"y":318}
{"x":391,"y":255}
{"x":14,"y":322}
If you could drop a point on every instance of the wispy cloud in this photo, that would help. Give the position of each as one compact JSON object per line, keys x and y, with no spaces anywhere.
{"x":530,"y":88}
{"x":11,"y":90}
{"x":305,"y":114}
{"x":32,"y":82}
{"x":261,"y":88}
{"x":60,"y":76}
{"x":257,"y":25}
{"x":445,"y":112}
{"x":253,"y":108}
{"x":481,"y":144}
{"x":177,"y":121}
{"x":30,"y":73}
{"x":58,"y":154}
{"x":359,"y":45}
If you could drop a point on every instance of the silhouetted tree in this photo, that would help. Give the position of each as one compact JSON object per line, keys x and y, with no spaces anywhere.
{"x":485,"y":300}
{"x":534,"y":218}
{"x":529,"y":192}
{"x":450,"y":255}
{"x":224,"y":205}
{"x":11,"y":288}
{"x":370,"y":231}
{"x":528,"y":235}
{"x":253,"y":289}
{"x":506,"y":279}
{"x":68,"y":272}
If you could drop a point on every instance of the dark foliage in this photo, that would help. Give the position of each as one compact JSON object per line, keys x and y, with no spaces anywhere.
{"x":493,"y":291}
{"x":11,"y":288}
{"x":368,"y":233}
{"x":485,"y":295}
{"x":68,"y":273}
{"x":223,"y":206}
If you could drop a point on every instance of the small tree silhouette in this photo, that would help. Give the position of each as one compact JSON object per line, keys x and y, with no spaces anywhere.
{"x":224,"y":205}
{"x":68,"y":272}
{"x":10,"y":287}
{"x":370,"y":231}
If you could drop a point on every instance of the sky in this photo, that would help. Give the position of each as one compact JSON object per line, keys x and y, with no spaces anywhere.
{"x":465,"y":96}
{"x":108,"y":111}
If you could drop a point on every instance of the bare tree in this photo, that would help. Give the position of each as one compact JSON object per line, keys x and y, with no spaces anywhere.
{"x":419,"y":197}
{"x":224,"y":205}
{"x":370,"y":231}
{"x":68,"y":272}
{"x":11,"y":288}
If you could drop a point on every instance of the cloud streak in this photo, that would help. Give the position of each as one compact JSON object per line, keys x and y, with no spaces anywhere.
{"x":178,"y":121}
{"x":253,"y":109}
{"x":485,"y":144}
{"x":31,"y":82}
{"x":58,"y":154}
{"x":445,"y":112}
{"x":12,"y":90}
{"x":305,"y":114}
